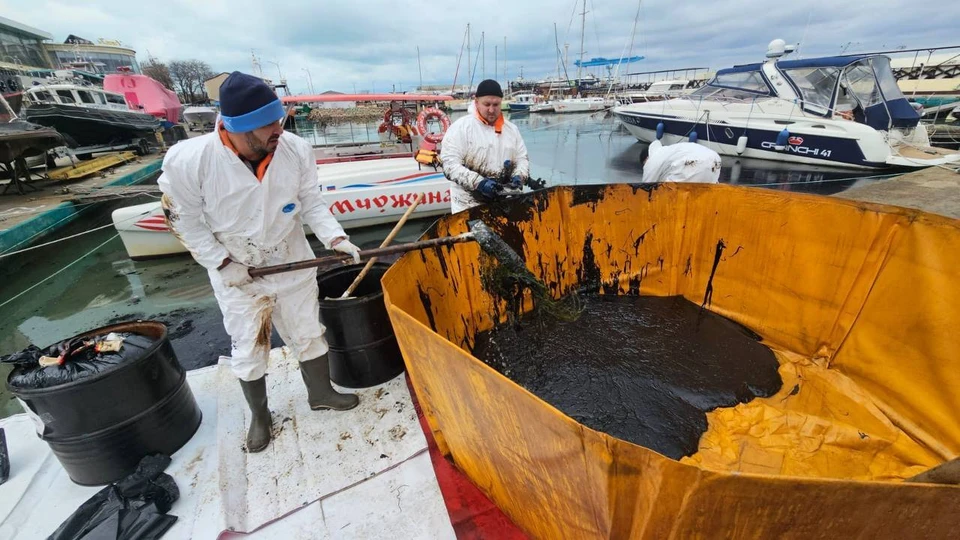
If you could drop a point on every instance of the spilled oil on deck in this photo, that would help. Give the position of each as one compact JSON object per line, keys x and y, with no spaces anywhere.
{"x":644,"y":369}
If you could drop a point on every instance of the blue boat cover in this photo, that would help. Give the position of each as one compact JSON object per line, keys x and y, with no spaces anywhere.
{"x":607,"y":61}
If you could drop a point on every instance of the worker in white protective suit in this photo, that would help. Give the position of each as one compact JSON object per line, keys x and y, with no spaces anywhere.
{"x":680,"y":162}
{"x":238,"y":198}
{"x":483,"y":154}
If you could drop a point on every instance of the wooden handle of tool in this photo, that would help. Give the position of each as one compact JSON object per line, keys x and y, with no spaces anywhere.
{"x":385,"y":243}
{"x":334,"y":260}
{"x":945,"y":473}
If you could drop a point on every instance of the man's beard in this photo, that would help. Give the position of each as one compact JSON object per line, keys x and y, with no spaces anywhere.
{"x":257,"y":147}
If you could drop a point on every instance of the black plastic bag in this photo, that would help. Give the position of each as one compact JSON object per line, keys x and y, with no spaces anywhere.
{"x":27,"y":357}
{"x":4,"y":458}
{"x":86,"y":362}
{"x":134,"y":508}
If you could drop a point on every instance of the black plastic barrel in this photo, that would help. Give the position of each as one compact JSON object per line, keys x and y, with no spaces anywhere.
{"x":100,"y":427}
{"x":363,"y":349}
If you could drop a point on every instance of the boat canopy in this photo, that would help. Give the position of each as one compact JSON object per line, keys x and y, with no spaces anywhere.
{"x":826,"y":61}
{"x":594,"y":62}
{"x":861,"y":86}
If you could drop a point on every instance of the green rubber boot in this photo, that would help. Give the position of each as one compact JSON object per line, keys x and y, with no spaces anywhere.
{"x":320,"y":393}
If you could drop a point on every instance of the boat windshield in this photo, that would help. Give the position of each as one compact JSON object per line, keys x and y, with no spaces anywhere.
{"x":736,"y":85}
{"x":714,"y":92}
{"x":817,"y":87}
{"x":41,"y":96}
{"x":750,"y":81}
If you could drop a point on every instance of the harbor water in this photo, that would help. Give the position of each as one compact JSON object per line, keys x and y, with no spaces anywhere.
{"x":57,"y":291}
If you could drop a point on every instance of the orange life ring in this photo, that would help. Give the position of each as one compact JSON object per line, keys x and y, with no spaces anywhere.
{"x":432,"y":113}
{"x":388,"y":116}
{"x":404,"y":129}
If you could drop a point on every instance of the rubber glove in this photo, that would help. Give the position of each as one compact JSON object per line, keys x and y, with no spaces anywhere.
{"x":515,"y":181}
{"x":489,"y":188}
{"x":235,"y":274}
{"x":345,"y":246}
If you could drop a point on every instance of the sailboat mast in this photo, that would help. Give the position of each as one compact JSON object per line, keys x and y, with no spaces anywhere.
{"x":419,"y":68}
{"x":483,"y":55}
{"x":469,"y":71}
{"x":506,"y":79}
{"x":556,"y":43}
{"x":583,"y":24}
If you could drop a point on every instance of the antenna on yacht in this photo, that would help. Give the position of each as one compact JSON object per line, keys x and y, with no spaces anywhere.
{"x":779,"y":48}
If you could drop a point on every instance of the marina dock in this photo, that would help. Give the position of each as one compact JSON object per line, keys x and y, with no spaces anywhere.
{"x":26,"y":218}
{"x":934,"y":190}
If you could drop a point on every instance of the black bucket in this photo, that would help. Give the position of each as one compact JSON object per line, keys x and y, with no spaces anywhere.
{"x":101,"y":426}
{"x":363,"y":349}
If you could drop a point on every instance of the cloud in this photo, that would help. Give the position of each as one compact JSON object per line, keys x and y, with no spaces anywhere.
{"x":372,"y":44}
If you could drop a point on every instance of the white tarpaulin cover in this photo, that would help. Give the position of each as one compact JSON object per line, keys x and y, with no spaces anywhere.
{"x":363,"y":473}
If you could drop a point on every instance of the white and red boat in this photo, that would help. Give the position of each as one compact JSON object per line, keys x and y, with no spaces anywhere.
{"x":365,"y":183}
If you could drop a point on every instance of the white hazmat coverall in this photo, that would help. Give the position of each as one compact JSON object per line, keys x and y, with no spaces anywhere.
{"x":217,"y":207}
{"x":472,"y":150}
{"x":681,"y":162}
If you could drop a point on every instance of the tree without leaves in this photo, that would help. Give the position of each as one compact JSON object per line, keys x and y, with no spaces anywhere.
{"x":201,"y":72}
{"x":159,"y":72}
{"x":182,"y":72}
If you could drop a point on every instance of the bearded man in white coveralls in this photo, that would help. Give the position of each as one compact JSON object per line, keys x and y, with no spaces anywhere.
{"x":238,"y":198}
{"x":483,"y":154}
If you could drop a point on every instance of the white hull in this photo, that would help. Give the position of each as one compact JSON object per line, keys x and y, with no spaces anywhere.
{"x":581,"y":105}
{"x":360,"y":194}
{"x":648,"y":136}
{"x":200,"y":116}
{"x":796,"y":111}
{"x":814,"y":140}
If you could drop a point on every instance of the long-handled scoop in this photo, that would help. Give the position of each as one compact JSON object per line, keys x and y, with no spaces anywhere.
{"x":479,"y":232}
{"x":386,"y":242}
{"x":945,"y":473}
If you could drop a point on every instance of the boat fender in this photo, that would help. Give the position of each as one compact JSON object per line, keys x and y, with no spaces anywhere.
{"x":741,"y":144}
{"x":782,"y":139}
{"x":432,"y":113}
{"x":427,"y":157}
{"x":427,"y":153}
{"x":693,"y":136}
{"x":660,"y":128}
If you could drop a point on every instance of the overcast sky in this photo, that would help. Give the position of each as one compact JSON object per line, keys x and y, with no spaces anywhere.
{"x":372,"y":45}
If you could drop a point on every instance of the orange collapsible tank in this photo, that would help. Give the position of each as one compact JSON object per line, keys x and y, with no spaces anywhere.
{"x":860,"y":304}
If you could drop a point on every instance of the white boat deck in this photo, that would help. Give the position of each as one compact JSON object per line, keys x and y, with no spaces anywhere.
{"x":364,"y":473}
